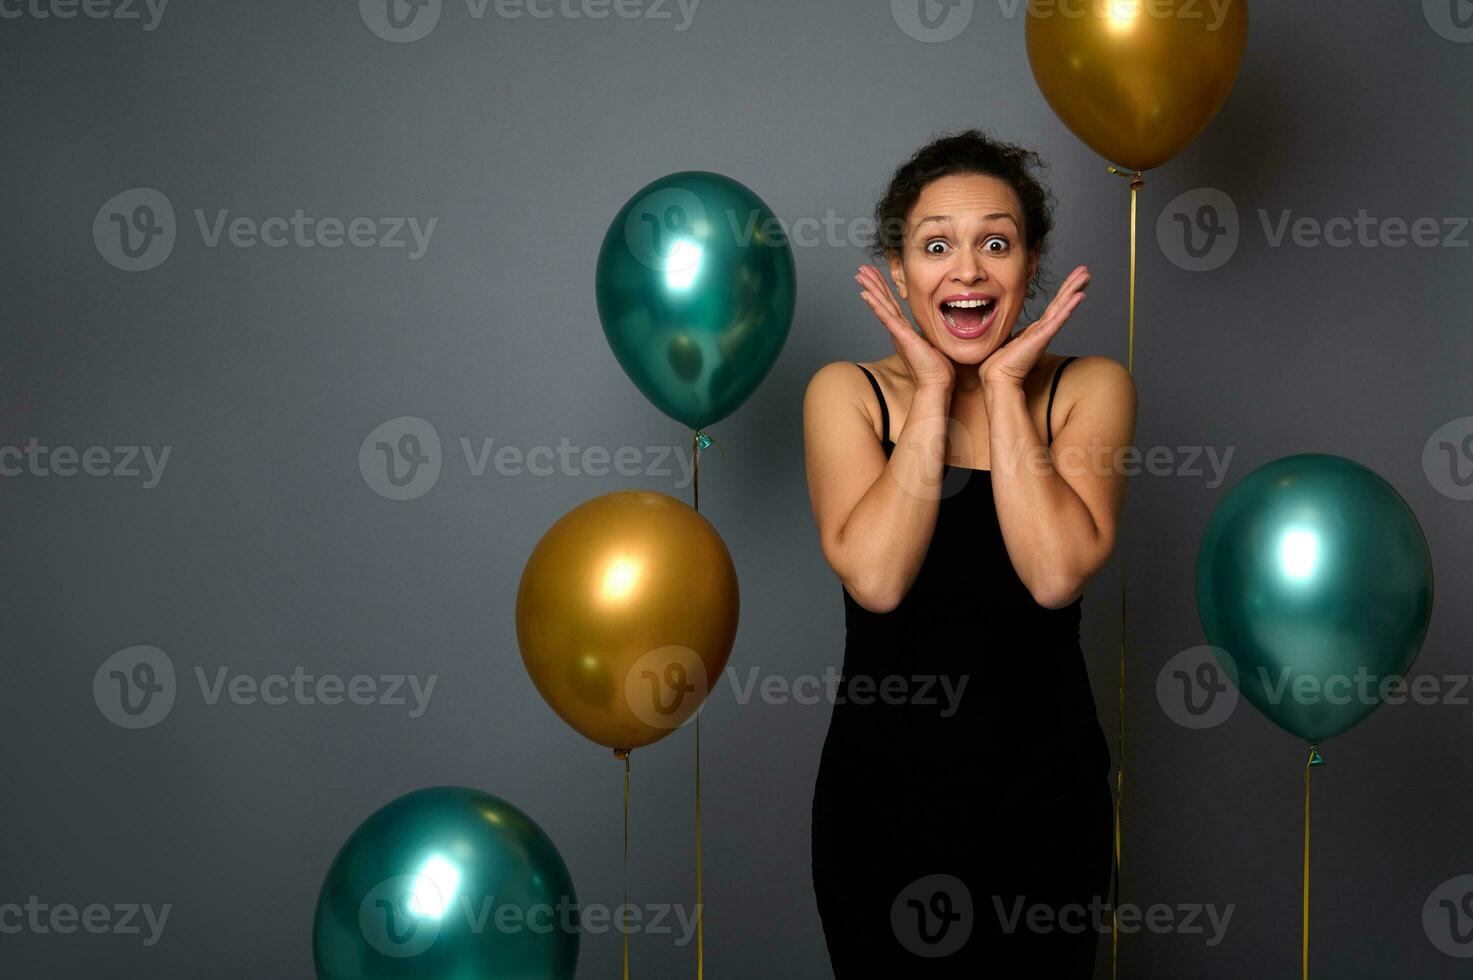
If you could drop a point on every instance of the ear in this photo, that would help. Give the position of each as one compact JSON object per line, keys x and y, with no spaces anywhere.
{"x":1032,"y":263}
{"x":897,"y":273}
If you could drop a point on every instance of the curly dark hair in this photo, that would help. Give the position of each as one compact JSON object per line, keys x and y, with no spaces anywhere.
{"x":968,"y":152}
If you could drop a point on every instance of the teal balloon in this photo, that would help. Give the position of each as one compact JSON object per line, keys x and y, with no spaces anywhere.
{"x":1314,"y":578}
{"x":696,"y":287}
{"x":446,"y":883}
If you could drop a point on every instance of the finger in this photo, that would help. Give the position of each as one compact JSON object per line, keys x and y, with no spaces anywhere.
{"x":1064,"y":303}
{"x":1038,"y":336}
{"x":1076,"y":281}
{"x":910,"y":345}
{"x":1052,"y":324}
{"x":889,"y":319}
{"x":882,"y":288}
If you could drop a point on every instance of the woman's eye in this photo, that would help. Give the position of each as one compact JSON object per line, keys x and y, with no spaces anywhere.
{"x":935,"y":245}
{"x":1001,"y":243}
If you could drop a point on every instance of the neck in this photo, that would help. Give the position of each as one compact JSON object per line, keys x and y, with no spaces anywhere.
{"x":968,"y":382}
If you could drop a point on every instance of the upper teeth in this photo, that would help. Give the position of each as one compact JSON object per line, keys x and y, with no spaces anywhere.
{"x":968,"y":304}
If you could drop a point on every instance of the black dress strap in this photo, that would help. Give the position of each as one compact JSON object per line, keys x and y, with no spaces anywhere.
{"x":1048,"y":413}
{"x":884,"y":412}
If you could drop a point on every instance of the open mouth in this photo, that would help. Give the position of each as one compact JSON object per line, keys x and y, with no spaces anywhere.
{"x":969,"y":318}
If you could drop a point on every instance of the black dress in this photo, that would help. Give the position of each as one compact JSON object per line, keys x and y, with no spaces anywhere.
{"x":964,"y":779}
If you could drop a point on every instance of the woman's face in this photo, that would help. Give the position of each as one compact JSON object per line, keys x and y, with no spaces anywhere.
{"x":963,"y":268}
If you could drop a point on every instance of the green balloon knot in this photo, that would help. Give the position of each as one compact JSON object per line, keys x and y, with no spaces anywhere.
{"x":1315,"y":759}
{"x":703,"y":440}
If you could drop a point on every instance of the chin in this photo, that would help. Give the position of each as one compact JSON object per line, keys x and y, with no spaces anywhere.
{"x":962,"y":351}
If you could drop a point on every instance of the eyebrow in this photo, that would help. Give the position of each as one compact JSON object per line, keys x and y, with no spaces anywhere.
{"x":947,"y":217}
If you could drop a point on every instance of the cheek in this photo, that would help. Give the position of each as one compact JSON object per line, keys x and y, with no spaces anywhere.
{"x":921,"y":283}
{"x":1011,"y":270}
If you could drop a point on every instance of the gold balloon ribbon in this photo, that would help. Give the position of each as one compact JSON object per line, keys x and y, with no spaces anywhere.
{"x":624,"y":754}
{"x":1315,"y":759}
{"x":1137,"y":181}
{"x":700,"y":936}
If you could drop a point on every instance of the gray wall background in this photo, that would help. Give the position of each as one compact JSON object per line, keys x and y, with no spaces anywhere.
{"x":263,"y":548}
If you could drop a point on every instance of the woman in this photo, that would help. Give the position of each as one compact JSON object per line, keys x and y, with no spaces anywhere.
{"x":964,"y":495}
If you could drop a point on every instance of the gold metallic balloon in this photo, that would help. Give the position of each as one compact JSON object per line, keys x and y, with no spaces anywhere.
{"x":626,"y":615}
{"x":1136,"y":80}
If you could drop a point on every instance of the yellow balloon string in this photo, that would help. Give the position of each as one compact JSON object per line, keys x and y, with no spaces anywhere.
{"x":700,"y":937}
{"x":624,"y":754}
{"x":1137,"y":180}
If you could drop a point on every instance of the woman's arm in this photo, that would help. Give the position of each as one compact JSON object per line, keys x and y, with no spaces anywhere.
{"x":875,"y":517}
{"x":1059,"y":508}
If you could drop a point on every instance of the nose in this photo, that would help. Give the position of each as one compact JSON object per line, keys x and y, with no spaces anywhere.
{"x":968,"y":268}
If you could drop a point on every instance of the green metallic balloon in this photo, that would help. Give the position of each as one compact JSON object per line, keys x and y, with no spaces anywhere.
{"x":446,"y":883}
{"x":1314,"y":577}
{"x":696,"y":287}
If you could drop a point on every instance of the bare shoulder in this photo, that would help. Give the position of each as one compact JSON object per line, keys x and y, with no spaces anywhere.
{"x":831,"y":386}
{"x":1099,"y":384}
{"x":1099,"y":375}
{"x":839,"y":391}
{"x":834,"y":378}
